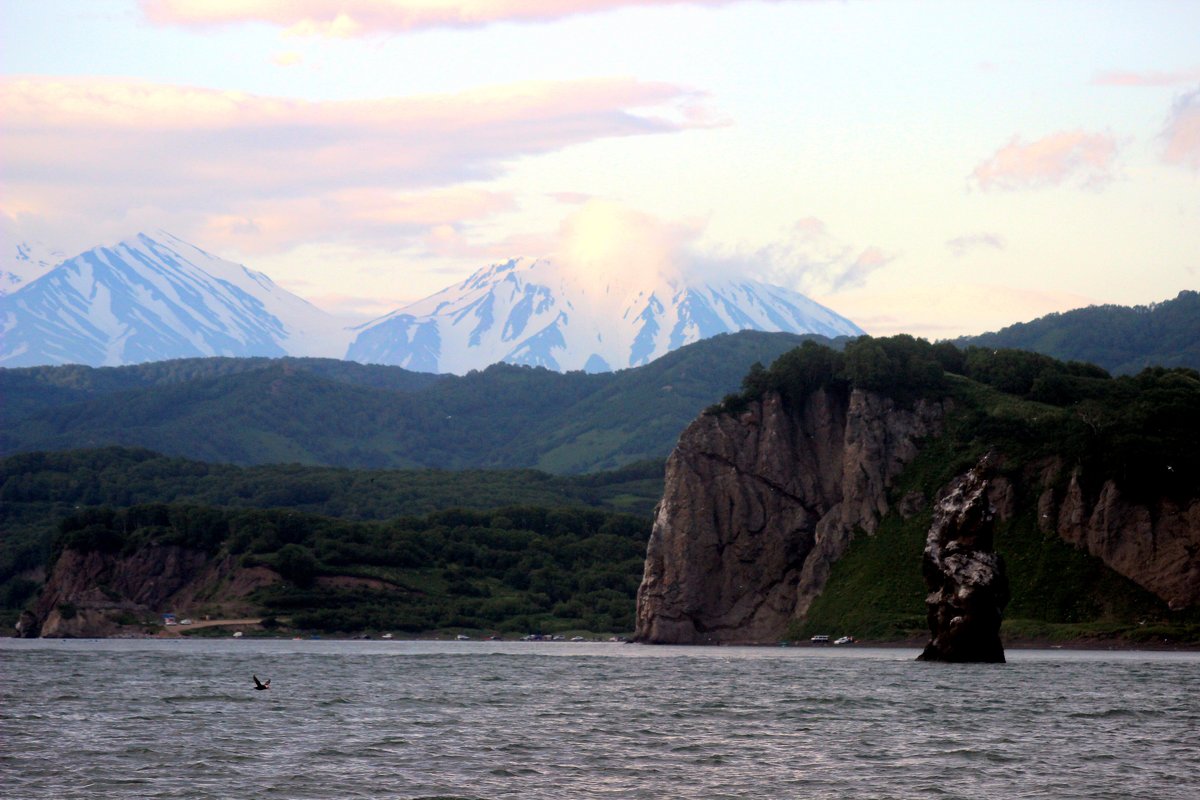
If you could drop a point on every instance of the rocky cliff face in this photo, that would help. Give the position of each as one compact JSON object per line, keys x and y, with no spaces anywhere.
{"x":95,"y":593}
{"x":1156,"y":545}
{"x":757,"y":507}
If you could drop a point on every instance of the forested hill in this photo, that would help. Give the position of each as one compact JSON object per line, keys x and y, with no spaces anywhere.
{"x":312,"y":411}
{"x":1122,"y":339}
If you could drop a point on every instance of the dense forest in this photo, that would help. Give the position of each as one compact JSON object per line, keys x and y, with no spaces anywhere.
{"x":511,"y":569}
{"x":319,"y":412}
{"x":39,"y":491}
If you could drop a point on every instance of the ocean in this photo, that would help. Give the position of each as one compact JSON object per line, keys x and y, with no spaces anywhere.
{"x":422,"y":719}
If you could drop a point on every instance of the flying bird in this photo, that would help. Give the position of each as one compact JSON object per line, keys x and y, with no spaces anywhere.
{"x":260,"y":685}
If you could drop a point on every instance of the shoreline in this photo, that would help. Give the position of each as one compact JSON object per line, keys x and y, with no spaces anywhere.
{"x":1089,"y":644}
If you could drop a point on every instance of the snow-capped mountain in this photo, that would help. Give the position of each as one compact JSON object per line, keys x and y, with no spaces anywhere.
{"x":154,"y":298}
{"x":542,"y":314}
{"x":26,"y":261}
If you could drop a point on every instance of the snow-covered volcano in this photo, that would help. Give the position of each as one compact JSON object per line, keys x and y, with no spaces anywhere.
{"x":154,"y":298}
{"x":538,"y":313}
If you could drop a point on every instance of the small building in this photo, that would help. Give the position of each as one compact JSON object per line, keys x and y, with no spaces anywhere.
{"x":168,"y":619}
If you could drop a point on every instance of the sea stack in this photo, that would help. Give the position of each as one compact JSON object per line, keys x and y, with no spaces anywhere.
{"x":968,"y":587}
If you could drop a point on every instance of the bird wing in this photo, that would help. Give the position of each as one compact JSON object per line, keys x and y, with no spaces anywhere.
{"x":259,"y":684}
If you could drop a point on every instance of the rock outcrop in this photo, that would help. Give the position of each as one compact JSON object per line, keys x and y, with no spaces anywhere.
{"x":758,"y":506}
{"x":94,"y":593}
{"x":1157,"y":545}
{"x":968,"y":588}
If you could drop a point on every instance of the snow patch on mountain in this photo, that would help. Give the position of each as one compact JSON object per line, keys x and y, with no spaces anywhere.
{"x":26,"y":261}
{"x":538,"y":313}
{"x":155,"y":298}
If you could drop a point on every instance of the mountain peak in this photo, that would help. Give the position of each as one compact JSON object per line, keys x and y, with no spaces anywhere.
{"x":563,"y":315}
{"x":156,"y":297}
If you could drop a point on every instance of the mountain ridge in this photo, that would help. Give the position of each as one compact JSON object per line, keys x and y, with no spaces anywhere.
{"x":155,"y":297}
{"x":342,"y":414}
{"x":536,"y":312}
{"x":1121,"y":339}
{"x":151,"y":299}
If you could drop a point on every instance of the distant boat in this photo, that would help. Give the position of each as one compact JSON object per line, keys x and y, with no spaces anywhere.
{"x":237,"y":634}
{"x":845,"y":640}
{"x":462,"y":637}
{"x":820,"y":638}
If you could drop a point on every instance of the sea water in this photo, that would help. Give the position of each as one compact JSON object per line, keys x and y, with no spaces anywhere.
{"x":397,"y":719}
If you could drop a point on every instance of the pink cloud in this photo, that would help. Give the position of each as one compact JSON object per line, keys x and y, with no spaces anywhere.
{"x":1049,"y":161}
{"x":277,"y":167}
{"x":346,"y":18}
{"x":355,"y":215}
{"x":1182,"y":133}
{"x":1119,"y":78}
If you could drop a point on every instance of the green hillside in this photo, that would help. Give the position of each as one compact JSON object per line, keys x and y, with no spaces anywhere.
{"x":1124,"y":340}
{"x":317,"y":412}
{"x":39,"y":491}
{"x":516,"y":569}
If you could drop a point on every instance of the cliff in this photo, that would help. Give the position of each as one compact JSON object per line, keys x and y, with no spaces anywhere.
{"x":95,"y":593}
{"x":1156,"y":544}
{"x":757,"y":507}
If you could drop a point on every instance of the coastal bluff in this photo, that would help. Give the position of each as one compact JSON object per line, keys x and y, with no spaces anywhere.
{"x":757,"y":507}
{"x":760,"y":502}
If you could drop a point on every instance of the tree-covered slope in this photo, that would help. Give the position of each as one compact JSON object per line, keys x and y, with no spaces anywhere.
{"x":516,"y":569}
{"x":38,"y":491}
{"x":308,"y":411}
{"x":1124,"y":340}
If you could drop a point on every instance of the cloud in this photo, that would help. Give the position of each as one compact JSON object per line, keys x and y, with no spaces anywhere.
{"x":348,"y":18}
{"x":1050,"y":161}
{"x":1182,"y":132}
{"x":281,"y":168}
{"x":608,"y":244}
{"x":808,"y":258}
{"x":611,"y":245}
{"x":962,"y":245}
{"x":1119,"y":78}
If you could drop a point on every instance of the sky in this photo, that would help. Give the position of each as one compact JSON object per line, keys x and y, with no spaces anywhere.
{"x":933,"y":168}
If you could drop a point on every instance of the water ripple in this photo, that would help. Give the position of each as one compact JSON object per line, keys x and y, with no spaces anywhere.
{"x":476,"y":721}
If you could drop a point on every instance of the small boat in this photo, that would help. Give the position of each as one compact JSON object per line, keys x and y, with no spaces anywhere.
{"x":820,"y":638}
{"x":845,"y":640}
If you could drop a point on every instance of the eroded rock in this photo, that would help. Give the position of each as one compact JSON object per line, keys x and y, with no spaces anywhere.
{"x":968,"y":587}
